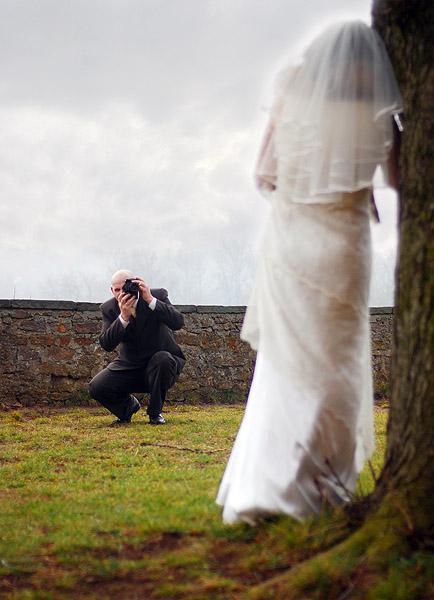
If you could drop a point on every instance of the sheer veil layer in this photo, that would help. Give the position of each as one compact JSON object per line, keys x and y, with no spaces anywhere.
{"x":331,"y":120}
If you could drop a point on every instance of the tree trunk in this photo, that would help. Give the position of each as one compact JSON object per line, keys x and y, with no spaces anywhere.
{"x":407,"y":28}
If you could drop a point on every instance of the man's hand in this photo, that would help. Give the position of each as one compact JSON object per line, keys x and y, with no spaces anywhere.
{"x":144,"y":290}
{"x":126,"y":304}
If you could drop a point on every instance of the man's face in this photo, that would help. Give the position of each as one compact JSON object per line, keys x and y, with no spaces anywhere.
{"x":116,"y":287}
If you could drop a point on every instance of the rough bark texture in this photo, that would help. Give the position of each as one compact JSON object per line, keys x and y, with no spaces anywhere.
{"x":407,"y":28}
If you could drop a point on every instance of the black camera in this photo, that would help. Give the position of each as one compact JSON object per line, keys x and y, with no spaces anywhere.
{"x":131,"y":287}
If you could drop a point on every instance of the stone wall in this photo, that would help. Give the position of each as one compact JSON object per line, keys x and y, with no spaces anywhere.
{"x":49,"y":351}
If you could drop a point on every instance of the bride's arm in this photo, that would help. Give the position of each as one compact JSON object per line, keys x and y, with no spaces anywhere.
{"x":265,"y":171}
{"x":266,"y":165}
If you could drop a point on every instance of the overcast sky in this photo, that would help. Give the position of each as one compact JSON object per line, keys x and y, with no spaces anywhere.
{"x":130,"y":130}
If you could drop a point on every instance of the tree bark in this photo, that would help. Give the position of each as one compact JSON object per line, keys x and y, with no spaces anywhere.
{"x":407,"y":28}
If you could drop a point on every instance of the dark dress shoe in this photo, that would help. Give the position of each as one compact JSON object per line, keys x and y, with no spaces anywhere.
{"x":132,"y":409}
{"x":158,"y":420}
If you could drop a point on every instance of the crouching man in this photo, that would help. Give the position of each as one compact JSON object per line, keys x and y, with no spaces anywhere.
{"x":140,"y":321}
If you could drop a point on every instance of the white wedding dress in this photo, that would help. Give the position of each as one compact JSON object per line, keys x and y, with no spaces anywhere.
{"x":308,"y":425}
{"x":307,"y":428}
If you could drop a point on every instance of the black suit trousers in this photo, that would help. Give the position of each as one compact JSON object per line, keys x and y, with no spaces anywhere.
{"x":112,"y":388}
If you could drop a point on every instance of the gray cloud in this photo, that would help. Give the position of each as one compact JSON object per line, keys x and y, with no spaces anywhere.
{"x":129,"y":134}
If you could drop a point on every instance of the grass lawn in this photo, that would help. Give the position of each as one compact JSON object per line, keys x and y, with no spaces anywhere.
{"x":88,"y":511}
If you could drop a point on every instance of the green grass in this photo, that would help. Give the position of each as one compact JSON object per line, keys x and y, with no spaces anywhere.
{"x":89,"y":511}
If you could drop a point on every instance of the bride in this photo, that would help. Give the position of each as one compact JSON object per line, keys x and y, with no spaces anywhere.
{"x":308,"y":425}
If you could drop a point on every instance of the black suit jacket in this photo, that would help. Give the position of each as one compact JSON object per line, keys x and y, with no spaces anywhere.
{"x":147,"y":333}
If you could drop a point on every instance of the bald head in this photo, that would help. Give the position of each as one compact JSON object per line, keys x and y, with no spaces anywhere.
{"x":121,"y":276}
